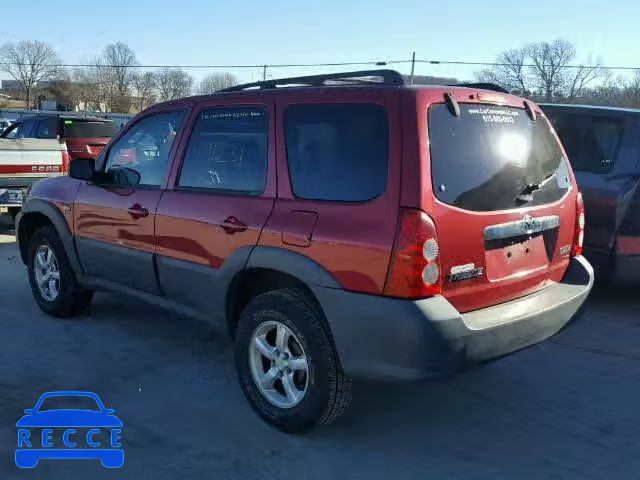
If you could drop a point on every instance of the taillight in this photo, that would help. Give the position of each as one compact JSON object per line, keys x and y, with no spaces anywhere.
{"x":414,"y":270}
{"x":578,"y":238}
{"x":66,"y":160}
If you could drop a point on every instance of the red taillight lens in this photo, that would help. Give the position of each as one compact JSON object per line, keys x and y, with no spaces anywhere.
{"x":66,"y":160}
{"x":578,"y":238}
{"x":414,"y":271}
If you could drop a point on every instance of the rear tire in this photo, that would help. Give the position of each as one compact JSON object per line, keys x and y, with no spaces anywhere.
{"x":65,"y":298}
{"x":325,"y":390}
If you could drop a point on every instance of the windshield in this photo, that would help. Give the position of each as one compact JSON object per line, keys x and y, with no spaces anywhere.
{"x":66,"y":402}
{"x":88,"y":129}
{"x":494,"y":158}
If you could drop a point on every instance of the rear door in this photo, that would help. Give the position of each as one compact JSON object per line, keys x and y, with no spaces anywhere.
{"x":114,"y":217}
{"x":224,"y":191}
{"x":504,"y":202}
{"x":602,"y":150}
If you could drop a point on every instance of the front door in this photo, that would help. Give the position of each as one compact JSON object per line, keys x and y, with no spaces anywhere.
{"x":114,"y":216}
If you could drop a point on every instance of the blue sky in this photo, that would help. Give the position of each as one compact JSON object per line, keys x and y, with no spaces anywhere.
{"x":258,"y":32}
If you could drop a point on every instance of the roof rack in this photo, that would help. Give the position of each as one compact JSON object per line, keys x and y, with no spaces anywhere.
{"x":482,"y":86}
{"x":364,"y":77}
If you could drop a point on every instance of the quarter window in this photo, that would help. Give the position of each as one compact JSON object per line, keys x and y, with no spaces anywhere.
{"x":337,"y":152}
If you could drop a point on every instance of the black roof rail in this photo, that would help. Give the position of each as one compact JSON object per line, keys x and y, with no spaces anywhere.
{"x":482,"y":86}
{"x":363,"y":77}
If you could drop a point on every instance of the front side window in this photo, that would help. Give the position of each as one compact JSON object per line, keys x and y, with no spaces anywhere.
{"x":337,"y":152}
{"x":141,"y":156}
{"x":227,"y":151}
{"x":592,"y":142}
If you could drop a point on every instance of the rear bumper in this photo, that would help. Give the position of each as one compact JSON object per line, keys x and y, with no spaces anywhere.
{"x":384,"y":338}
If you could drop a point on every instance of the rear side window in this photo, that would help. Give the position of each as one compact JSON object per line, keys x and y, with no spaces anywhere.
{"x":88,"y":129}
{"x":227,"y":151}
{"x":47,"y":128}
{"x":337,"y":152}
{"x":592,"y":142}
{"x":494,"y":158}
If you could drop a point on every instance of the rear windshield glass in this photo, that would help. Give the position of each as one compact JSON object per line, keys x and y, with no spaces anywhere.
{"x":88,"y":129}
{"x":494,"y":158}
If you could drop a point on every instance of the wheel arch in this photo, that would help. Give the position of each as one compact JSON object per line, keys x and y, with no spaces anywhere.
{"x":37,"y":213}
{"x":270,"y":268}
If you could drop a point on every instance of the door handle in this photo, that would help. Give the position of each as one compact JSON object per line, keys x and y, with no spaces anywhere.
{"x":232,"y":225}
{"x":137,"y":211}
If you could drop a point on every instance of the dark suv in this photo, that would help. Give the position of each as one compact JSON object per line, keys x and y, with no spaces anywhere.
{"x":340,"y":226}
{"x":603,"y":144}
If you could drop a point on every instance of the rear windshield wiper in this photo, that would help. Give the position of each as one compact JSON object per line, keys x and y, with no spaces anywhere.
{"x":525,"y":194}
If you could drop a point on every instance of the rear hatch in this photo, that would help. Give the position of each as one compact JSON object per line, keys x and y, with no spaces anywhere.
{"x":503,"y":201}
{"x":85,"y":138}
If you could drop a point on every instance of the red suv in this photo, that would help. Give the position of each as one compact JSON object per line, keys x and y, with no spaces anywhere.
{"x":340,"y":226}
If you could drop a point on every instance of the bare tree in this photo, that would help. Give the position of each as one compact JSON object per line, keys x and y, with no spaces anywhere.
{"x":510,"y":71}
{"x":543,"y":68}
{"x":632,"y":90}
{"x":579,"y":78}
{"x":173,"y":84}
{"x":216,"y":81}
{"x":119,"y":61}
{"x":145,"y":84}
{"x":29,"y":62}
{"x":549,"y":62}
{"x":94,"y":86}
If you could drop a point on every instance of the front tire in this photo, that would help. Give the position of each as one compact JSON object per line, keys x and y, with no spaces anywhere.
{"x":287,"y":364}
{"x":53,"y":282}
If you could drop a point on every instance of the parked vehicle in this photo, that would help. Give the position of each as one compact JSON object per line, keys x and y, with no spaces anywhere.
{"x":603,"y":145}
{"x":344,"y":227}
{"x":42,"y":146}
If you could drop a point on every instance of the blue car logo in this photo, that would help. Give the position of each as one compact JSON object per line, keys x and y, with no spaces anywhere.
{"x":53,"y":430}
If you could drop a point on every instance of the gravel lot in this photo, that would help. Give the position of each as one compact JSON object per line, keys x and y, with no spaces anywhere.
{"x":566,"y":409}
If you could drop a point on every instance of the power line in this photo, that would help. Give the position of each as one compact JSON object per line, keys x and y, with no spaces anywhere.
{"x":326,"y":64}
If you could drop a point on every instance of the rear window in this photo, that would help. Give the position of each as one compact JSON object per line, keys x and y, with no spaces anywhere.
{"x":592,"y":142}
{"x":337,"y":152}
{"x":494,"y":158}
{"x":88,"y":129}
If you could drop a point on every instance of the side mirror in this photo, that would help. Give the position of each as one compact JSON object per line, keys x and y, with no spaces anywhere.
{"x":82,"y":169}
{"x":29,"y":411}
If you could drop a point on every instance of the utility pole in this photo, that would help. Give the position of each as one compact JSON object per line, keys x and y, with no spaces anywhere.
{"x":413,"y":66}
{"x":264,"y":73}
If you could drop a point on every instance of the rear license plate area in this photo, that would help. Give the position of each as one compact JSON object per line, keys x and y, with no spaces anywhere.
{"x":519,"y":256}
{"x":521,"y":247}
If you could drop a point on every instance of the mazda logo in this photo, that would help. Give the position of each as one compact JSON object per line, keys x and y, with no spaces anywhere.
{"x":529,"y":223}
